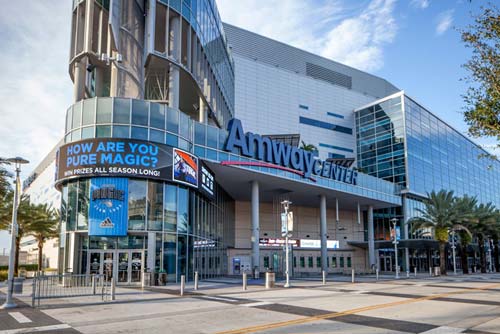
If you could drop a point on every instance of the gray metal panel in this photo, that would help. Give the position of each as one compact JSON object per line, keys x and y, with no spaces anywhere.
{"x":259,"y":48}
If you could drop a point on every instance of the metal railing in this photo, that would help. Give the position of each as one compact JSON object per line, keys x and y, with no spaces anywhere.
{"x":69,"y":285}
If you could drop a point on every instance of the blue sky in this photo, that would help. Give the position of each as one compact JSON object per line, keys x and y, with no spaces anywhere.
{"x":412,"y":43}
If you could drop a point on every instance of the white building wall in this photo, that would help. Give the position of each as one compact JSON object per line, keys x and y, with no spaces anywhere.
{"x":41,"y":191}
{"x":268,"y":100}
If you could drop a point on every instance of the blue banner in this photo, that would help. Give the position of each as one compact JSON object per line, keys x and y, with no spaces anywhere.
{"x":108,"y":209}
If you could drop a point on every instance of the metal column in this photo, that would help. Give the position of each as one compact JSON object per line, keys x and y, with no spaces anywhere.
{"x":371,"y":239}
{"x":323,"y":231}
{"x":255,"y":228}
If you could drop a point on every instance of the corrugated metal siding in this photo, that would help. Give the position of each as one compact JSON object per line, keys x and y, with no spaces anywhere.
{"x":262,"y":49}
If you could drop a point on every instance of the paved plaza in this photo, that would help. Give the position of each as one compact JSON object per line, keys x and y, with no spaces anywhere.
{"x":453,"y":304}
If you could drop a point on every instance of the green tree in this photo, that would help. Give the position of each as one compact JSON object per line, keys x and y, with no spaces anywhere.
{"x":482,"y":99}
{"x":44,"y":225}
{"x":466,"y":216}
{"x":441,"y":214}
{"x":485,"y":227}
{"x":308,"y":147}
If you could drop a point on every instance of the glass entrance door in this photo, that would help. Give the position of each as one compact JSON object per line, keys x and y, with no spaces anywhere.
{"x":125,"y":265}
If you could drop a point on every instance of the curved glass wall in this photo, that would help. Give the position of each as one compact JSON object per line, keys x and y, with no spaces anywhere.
{"x":191,"y":232}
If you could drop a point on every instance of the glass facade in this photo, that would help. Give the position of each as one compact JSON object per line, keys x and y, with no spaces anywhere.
{"x":192,"y":233}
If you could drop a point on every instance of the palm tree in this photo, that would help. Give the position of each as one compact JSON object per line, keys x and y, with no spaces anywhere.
{"x":44,"y":225}
{"x":442,"y":215}
{"x":486,"y":215}
{"x":466,"y":206}
{"x":308,"y":147}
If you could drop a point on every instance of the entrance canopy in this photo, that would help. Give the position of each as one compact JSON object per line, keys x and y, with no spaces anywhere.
{"x":237,"y":182}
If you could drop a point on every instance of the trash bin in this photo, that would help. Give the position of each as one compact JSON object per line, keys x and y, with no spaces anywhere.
{"x":162,"y":278}
{"x":18,"y":284}
{"x":270,"y":279}
{"x":437,"y":271}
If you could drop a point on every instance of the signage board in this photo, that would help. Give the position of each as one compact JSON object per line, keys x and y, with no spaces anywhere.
{"x":274,"y":154}
{"x":207,"y":181}
{"x":275,"y":242}
{"x":114,"y":157}
{"x":312,"y":243}
{"x":185,"y":168}
{"x":284,"y":224}
{"x":108,"y":206}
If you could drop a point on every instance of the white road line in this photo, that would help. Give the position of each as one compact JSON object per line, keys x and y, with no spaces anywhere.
{"x":20,"y":318}
{"x":220,"y":298}
{"x":359,"y":292}
{"x":35,"y":329}
{"x":444,"y":330}
{"x":256,"y":304}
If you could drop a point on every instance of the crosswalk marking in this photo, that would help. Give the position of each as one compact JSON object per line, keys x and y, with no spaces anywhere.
{"x":35,"y":329}
{"x":20,"y":318}
{"x":220,"y":298}
{"x":444,"y":330}
{"x":256,"y":304}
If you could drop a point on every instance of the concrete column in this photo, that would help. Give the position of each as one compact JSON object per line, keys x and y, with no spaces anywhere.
{"x":255,"y":226}
{"x":371,"y":238}
{"x":407,"y":250}
{"x":79,"y":81}
{"x":323,"y":230}
{"x":150,"y":261}
{"x":99,"y":80}
{"x":202,"y":115}
{"x":175,"y":47}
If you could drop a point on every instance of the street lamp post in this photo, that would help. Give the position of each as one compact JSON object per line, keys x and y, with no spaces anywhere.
{"x":286,"y":206}
{"x":453,"y":247}
{"x":394,"y":221}
{"x":9,"y":302}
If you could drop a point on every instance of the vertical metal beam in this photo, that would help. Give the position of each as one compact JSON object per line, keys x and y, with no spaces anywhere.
{"x":323,"y":231}
{"x":255,"y":228}
{"x":371,"y":238}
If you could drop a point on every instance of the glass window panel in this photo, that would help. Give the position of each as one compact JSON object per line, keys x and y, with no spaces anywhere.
{"x":172,"y":140}
{"x":136,"y":204}
{"x":181,"y":255}
{"x":170,"y":215}
{"x":88,"y":116}
{"x":182,"y":211}
{"x":88,"y":132}
{"x":157,"y":136}
{"x":72,"y":205}
{"x":199,"y":133}
{"x":169,"y":256}
{"x":140,"y":112}
{"x":139,"y":133}
{"x":69,"y":119}
{"x":184,"y":124}
{"x":76,"y":135}
{"x":173,"y":120}
{"x":103,"y":131}
{"x":212,"y":136}
{"x":155,"y":206}
{"x":121,"y":111}
{"x":83,"y":204}
{"x":104,"y":108}
{"x":157,"y":117}
{"x":77,"y":115}
{"x":121,"y":131}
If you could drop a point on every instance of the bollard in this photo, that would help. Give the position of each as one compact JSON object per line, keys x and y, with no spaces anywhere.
{"x":113,"y":288}
{"x":352,"y":279}
{"x":143,"y":280}
{"x":407,"y":274}
{"x":93,"y":284}
{"x":244,"y":281}
{"x":195,"y":280}
{"x":376,"y":272}
{"x":324,"y":277}
{"x":430,"y":271}
{"x":183,"y":282}
{"x":415,"y":271}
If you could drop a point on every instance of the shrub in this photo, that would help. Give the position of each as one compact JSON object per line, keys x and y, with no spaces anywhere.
{"x":3,"y":275}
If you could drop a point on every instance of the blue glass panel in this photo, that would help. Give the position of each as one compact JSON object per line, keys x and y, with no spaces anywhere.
{"x":139,"y":133}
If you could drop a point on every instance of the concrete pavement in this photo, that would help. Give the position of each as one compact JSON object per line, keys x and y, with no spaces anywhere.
{"x":453,"y":304}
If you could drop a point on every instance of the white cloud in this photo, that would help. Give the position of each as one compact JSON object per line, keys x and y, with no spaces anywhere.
{"x":35,"y":88}
{"x":422,"y":4}
{"x":334,"y":29}
{"x":444,"y":21}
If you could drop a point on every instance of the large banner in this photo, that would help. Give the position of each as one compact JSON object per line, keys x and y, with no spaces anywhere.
{"x":114,"y":157}
{"x":108,"y":207}
{"x":185,"y":168}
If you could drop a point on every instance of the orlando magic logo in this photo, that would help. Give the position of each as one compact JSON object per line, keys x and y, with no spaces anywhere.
{"x":107,"y":200}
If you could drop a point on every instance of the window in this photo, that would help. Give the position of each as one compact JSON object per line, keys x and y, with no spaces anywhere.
{"x":318,"y":261}
{"x":301,"y":106}
{"x":121,"y":111}
{"x":266,"y":261}
{"x":325,"y":125}
{"x":302,"y":262}
{"x":155,"y":206}
{"x":170,"y":217}
{"x":334,"y":115}
{"x":136,"y":204}
{"x":140,"y":112}
{"x":349,"y":264}
{"x":295,"y":262}
{"x":182,"y":211}
{"x":104,"y":108}
{"x":341,"y":262}
{"x":310,"y":262}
